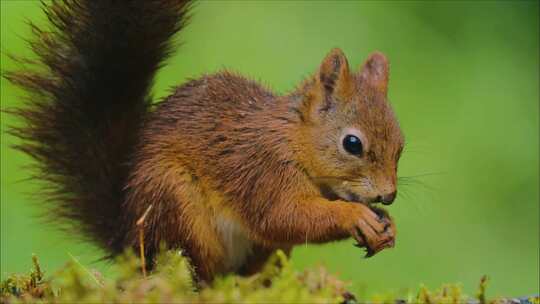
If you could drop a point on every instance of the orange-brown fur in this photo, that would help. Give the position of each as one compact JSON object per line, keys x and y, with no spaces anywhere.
{"x":223,"y":144}
{"x":232,"y":170}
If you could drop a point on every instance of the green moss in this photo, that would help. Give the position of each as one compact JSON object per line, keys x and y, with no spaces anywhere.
{"x":171,"y":282}
{"x":26,"y":287}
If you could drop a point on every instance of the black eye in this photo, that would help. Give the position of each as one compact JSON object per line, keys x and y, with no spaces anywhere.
{"x":352,"y":144}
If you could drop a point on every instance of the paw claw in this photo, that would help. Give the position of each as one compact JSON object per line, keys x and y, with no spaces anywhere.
{"x":369,"y":253}
{"x":373,"y":230}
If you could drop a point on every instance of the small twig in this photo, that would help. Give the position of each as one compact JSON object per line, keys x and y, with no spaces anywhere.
{"x":482,"y":290}
{"x":140,"y":225}
{"x":37,"y":268}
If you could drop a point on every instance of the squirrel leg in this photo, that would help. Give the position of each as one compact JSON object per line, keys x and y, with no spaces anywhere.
{"x":259,"y":258}
{"x":256,"y":260}
{"x":185,"y":226}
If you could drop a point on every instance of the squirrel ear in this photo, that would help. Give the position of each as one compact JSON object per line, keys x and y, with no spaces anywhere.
{"x":334,"y":77}
{"x":374,"y":73}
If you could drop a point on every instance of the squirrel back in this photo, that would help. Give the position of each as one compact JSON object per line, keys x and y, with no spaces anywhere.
{"x":89,"y":92}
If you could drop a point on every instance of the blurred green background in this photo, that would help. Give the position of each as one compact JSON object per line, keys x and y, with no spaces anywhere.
{"x":464,"y":83}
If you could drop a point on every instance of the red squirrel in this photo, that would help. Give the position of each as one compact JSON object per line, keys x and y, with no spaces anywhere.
{"x":232,"y":170}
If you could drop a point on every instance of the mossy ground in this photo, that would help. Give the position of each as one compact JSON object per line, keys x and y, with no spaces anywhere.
{"x":171,"y":283}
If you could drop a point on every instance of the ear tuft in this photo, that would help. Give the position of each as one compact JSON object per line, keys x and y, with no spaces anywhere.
{"x":334,"y":72}
{"x":374,"y":73}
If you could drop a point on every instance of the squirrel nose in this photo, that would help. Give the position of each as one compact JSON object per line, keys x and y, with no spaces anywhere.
{"x":389,"y":198}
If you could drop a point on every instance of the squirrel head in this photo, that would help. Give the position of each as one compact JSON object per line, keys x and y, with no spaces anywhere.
{"x":350,"y":140}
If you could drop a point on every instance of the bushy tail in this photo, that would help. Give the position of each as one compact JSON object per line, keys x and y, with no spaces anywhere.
{"x":88,"y":94}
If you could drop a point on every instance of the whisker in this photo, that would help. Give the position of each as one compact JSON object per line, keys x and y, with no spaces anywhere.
{"x":415,"y":182}
{"x":422,"y":175}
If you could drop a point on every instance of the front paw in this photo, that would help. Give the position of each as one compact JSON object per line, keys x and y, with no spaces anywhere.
{"x":374,"y":229}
